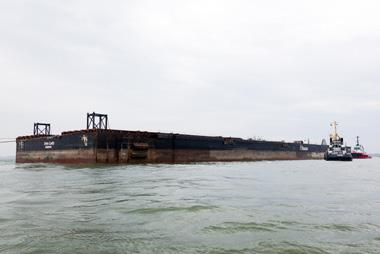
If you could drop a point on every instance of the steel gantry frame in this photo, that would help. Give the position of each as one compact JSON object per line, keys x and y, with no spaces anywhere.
{"x":97,"y":121}
{"x":41,"y":129}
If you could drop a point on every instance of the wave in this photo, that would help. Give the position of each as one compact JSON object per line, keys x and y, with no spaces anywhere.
{"x":235,"y":227}
{"x":195,"y":208}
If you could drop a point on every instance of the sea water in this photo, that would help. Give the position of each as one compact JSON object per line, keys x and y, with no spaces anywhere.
{"x":243,"y":207}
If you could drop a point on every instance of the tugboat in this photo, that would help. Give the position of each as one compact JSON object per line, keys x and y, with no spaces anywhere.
{"x":358,"y":152}
{"x":337,"y":151}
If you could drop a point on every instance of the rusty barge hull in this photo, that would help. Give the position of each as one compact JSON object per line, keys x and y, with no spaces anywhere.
{"x":116,"y":146}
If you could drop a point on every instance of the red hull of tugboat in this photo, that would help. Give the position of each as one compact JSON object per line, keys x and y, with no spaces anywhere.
{"x":361,"y":156}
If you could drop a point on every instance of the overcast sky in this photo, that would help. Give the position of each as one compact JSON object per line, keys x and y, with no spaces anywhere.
{"x":280,"y":70}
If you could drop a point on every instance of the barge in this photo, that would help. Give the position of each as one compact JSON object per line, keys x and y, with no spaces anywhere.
{"x":99,"y":144}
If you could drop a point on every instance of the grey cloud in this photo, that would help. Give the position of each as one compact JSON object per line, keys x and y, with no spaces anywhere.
{"x":275,"y":69}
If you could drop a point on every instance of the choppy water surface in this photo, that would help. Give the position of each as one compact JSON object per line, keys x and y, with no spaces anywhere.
{"x":257,"y":207}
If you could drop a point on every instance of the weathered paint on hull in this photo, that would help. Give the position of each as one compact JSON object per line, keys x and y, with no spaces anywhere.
{"x":63,"y":156}
{"x":158,"y":156}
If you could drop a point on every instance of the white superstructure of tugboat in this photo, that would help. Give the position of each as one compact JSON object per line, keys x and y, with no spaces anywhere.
{"x":337,"y":151}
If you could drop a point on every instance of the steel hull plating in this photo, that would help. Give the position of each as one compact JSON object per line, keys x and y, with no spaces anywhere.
{"x":334,"y":157}
{"x":113,"y":146}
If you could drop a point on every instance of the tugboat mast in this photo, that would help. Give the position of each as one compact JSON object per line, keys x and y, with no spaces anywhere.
{"x":335,"y":136}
